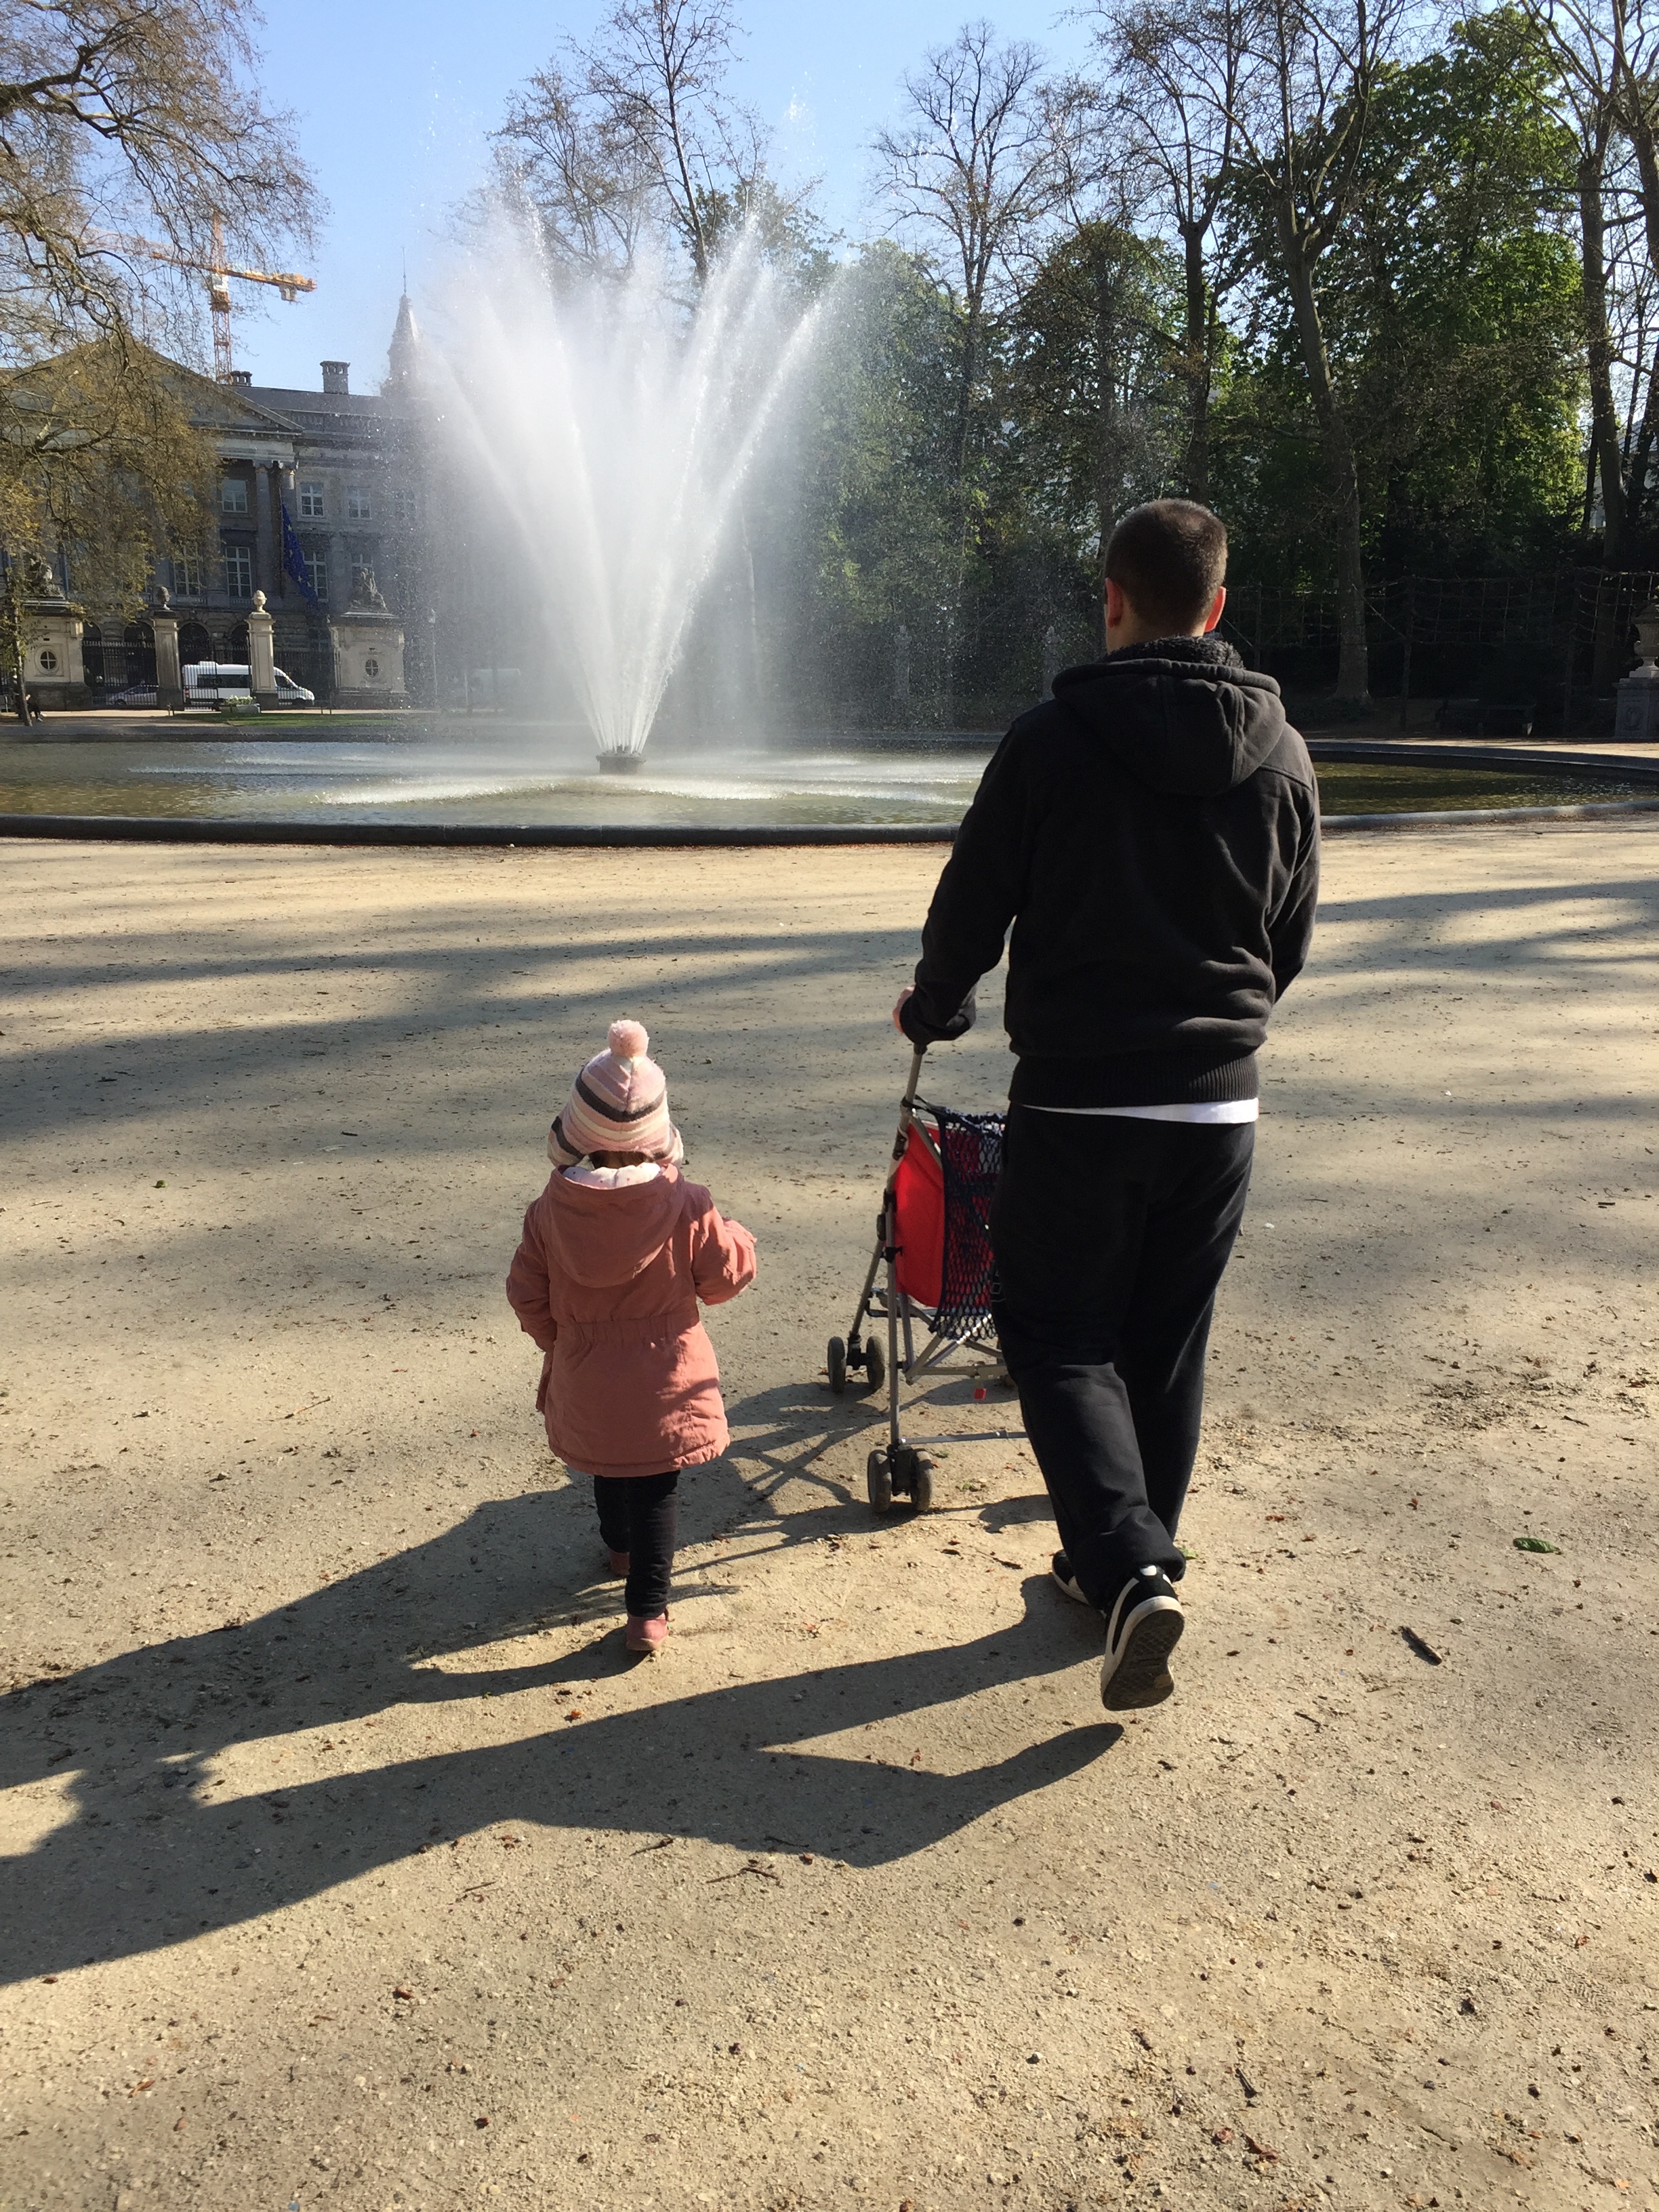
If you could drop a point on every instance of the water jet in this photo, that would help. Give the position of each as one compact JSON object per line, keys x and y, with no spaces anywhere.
{"x":617,"y":763}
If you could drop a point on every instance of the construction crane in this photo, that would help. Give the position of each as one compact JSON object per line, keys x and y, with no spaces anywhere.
{"x":218,"y":272}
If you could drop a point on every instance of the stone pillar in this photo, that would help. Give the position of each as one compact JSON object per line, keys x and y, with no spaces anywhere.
{"x":169,"y":677}
{"x":52,"y":667}
{"x":261,"y":654}
{"x":368,"y":651}
{"x":339,"y":573}
{"x":267,"y":571}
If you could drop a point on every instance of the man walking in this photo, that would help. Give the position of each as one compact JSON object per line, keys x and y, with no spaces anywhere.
{"x":1153,"y":834}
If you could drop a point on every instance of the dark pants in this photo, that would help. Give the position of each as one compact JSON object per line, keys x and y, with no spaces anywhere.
{"x":1110,"y":1238}
{"x":639,"y":1514}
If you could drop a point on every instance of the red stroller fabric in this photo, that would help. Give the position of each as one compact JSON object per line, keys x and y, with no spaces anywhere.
{"x":919,"y":1223}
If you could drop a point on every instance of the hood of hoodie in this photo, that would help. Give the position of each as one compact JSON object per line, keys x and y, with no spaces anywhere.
{"x":603,"y":1238}
{"x":1183,"y":714}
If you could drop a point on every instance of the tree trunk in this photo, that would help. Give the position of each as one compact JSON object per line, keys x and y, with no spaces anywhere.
{"x":1109,"y":475}
{"x":1195,"y":463}
{"x":1341,"y":469}
{"x":1599,"y":351}
{"x":1605,"y":443}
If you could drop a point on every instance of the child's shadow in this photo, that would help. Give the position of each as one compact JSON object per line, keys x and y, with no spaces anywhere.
{"x":150,"y":1853}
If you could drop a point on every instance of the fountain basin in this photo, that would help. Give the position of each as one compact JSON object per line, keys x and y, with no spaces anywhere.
{"x":621,"y":763}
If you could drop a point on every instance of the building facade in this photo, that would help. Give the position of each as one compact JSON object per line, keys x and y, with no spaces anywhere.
{"x":335,"y":479}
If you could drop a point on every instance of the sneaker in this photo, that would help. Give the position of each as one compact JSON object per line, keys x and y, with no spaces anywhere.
{"x":1060,"y":1568}
{"x":1142,"y":1629}
{"x":618,"y":1563}
{"x":647,"y":1632}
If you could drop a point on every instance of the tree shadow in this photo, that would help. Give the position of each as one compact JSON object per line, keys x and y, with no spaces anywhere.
{"x":151,"y":1855}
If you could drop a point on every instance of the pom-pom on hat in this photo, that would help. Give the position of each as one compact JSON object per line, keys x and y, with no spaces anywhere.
{"x":619,"y":1104}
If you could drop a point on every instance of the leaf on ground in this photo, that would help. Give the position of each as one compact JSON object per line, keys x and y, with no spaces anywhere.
{"x":1534,"y":1544}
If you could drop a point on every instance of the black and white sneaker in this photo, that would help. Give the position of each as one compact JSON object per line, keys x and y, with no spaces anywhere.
{"x":1142,"y":1629}
{"x":1060,"y":1568}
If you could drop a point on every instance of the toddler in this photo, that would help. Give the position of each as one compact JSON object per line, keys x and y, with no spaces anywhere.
{"x":616,"y":1254}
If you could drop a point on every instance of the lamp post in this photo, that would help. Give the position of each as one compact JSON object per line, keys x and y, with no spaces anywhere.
{"x":432,"y":640}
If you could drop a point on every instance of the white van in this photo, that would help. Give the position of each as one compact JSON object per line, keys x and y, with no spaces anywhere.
{"x":207,"y":682}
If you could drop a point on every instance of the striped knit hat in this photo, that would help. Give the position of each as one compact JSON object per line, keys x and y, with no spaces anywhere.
{"x":619,"y":1104}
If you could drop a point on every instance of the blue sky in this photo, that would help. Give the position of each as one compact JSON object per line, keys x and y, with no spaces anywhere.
{"x":394,"y":105}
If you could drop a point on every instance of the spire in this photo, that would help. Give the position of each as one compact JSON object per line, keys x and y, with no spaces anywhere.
{"x":403,"y":355}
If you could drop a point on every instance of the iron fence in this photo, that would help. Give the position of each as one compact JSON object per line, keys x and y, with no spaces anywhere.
{"x":1556,"y":641}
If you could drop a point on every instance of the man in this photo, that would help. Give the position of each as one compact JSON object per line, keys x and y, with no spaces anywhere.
{"x":1153,"y":834}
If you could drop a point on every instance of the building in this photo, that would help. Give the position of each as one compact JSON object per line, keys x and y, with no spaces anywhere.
{"x":336,"y":473}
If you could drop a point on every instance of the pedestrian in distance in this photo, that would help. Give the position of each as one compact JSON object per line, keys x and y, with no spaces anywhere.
{"x":616,"y":1254}
{"x":1150,"y":832}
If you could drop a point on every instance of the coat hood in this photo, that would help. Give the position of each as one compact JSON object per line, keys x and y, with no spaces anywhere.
{"x":605,"y":1237}
{"x":1182,"y":715}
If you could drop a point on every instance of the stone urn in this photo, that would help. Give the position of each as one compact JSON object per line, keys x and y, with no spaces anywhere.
{"x":1636,"y":716}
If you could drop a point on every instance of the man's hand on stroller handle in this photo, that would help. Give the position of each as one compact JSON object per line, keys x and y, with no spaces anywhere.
{"x":958,"y":1025}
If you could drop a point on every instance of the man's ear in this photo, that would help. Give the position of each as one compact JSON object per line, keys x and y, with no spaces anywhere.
{"x":1217,"y":605}
{"x":1116,"y":605}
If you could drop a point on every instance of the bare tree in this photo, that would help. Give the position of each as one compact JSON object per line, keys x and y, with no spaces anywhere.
{"x":126,"y":127}
{"x":638,"y":129}
{"x":973,"y":162}
{"x":1181,"y":134}
{"x":118,"y":115}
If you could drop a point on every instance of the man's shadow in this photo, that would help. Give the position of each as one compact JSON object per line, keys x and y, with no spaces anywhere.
{"x":153,"y":1854}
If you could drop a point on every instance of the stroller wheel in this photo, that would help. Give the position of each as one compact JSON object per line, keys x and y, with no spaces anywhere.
{"x":875,"y":1363}
{"x":913,"y":1476}
{"x":878,"y":1482}
{"x":838,"y":1366}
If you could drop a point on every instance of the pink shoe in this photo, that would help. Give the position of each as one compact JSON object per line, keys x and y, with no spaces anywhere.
{"x":647,"y":1632}
{"x":619,"y":1563}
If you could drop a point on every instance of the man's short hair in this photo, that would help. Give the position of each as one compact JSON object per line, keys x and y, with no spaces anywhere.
{"x":1168,"y":558}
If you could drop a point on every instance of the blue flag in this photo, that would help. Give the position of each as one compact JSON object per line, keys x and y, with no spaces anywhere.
{"x":293,"y":559}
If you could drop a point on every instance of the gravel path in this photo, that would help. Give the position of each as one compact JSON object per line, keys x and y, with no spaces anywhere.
{"x":347,"y":1861}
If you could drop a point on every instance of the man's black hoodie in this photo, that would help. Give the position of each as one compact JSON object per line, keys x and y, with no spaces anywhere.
{"x":1153,"y":833}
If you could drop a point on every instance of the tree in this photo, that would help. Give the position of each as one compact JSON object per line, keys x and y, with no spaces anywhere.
{"x":1455,"y":277}
{"x":1292,"y":84}
{"x":637,"y":133}
{"x":1088,"y":378}
{"x":1182,"y":133}
{"x":124,"y":124}
{"x":123,"y":113}
{"x":973,"y":163}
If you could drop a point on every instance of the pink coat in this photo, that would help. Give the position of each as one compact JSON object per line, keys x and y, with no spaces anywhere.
{"x":607,"y":1282}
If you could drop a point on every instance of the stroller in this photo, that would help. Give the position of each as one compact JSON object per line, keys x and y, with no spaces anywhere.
{"x":931,"y":1263}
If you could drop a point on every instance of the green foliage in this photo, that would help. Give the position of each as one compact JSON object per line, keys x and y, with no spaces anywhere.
{"x":1450,"y":303}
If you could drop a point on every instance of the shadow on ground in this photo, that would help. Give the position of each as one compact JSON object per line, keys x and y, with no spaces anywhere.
{"x":148,"y":1857}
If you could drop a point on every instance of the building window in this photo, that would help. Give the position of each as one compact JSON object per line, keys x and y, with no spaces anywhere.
{"x":357,"y":505}
{"x":406,"y":508}
{"x":317,"y":575}
{"x":233,"y":496}
{"x":311,"y":501}
{"x":239,"y":571}
{"x":186,"y":575}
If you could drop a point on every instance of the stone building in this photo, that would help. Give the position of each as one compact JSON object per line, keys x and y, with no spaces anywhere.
{"x":334,"y":474}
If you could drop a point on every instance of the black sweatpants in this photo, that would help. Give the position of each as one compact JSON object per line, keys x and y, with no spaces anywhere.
{"x":639,"y":1514}
{"x":1111,"y":1236}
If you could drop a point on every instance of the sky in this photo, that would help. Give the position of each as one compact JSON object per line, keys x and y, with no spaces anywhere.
{"x":394,"y":106}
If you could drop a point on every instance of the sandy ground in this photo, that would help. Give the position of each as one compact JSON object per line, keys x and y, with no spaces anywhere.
{"x":349,"y":1864}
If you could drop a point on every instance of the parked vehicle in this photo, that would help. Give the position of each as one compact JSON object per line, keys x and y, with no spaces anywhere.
{"x":208,"y":682}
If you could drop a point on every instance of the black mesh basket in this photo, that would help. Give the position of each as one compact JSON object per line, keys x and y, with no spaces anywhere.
{"x":970,"y":1154}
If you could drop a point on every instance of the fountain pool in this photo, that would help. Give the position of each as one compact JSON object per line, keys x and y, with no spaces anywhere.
{"x":531,"y":775}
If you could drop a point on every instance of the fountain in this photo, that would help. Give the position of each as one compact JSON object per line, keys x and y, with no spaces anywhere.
{"x":615,"y":427}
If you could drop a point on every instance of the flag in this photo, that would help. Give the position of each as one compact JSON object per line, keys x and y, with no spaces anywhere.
{"x":293,"y":559}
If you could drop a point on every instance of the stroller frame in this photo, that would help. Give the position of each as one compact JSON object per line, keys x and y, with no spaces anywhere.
{"x":900,"y":1470}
